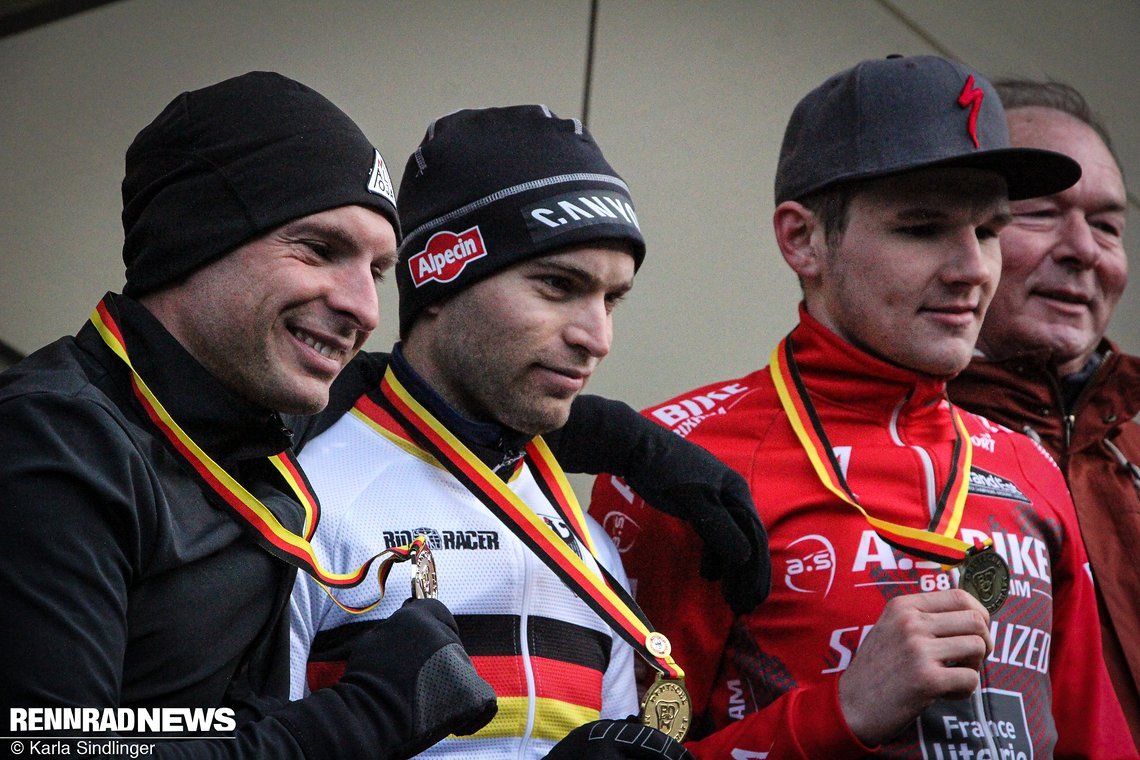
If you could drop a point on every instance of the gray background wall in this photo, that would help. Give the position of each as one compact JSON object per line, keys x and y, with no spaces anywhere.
{"x":688,"y":99}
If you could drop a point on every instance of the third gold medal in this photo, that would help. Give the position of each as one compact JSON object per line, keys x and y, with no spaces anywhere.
{"x":985,"y":576}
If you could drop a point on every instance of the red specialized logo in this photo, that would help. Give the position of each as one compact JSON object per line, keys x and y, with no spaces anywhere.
{"x":972,"y":96}
{"x":445,"y":256}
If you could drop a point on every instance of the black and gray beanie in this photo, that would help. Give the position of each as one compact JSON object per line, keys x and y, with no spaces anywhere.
{"x":488,"y":188}
{"x":226,"y":163}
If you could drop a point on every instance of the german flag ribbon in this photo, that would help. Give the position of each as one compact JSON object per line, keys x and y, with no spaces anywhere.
{"x":603,"y":594}
{"x":267,"y":528}
{"x":937,"y":543}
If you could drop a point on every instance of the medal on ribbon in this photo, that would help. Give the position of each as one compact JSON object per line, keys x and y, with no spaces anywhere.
{"x":267,"y":529}
{"x":669,"y":709}
{"x":984,"y":573}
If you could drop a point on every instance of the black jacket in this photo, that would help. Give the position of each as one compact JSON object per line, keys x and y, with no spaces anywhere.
{"x":123,"y":581}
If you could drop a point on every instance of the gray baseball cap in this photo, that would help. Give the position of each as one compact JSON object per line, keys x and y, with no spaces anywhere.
{"x":898,"y":114}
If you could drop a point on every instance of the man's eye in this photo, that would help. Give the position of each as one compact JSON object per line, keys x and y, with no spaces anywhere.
{"x":554,"y":282}
{"x":920,"y":230}
{"x":1107,"y":228}
{"x":1035,"y":215}
{"x":318,"y":248}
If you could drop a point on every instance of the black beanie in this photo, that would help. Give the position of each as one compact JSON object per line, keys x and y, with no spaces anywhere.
{"x":226,"y":163}
{"x":490,"y":187}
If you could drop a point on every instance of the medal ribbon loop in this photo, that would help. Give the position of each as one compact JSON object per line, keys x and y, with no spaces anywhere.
{"x":937,"y":543}
{"x":603,"y":594}
{"x":267,"y":528}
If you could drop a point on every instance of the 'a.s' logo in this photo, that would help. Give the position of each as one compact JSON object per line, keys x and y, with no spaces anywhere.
{"x":972,"y":96}
{"x":811,"y":568}
{"x":623,"y":530}
{"x":445,"y":256}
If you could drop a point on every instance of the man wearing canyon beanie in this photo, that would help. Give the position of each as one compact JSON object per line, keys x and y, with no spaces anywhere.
{"x":154,"y":512}
{"x":520,"y":239}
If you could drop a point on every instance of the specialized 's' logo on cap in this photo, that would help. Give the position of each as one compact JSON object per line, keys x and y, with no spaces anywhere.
{"x":446,"y":255}
{"x":972,"y":96}
{"x":379,"y":183}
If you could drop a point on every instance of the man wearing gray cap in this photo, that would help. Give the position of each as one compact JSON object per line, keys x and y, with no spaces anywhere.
{"x":930,"y":595}
{"x":520,"y":240}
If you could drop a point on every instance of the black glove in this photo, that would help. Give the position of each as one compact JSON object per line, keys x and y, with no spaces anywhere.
{"x":679,"y":478}
{"x":408,"y":683}
{"x":617,"y":740}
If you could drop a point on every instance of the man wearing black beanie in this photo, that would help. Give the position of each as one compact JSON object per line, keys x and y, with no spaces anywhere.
{"x":155,"y":512}
{"x":147,"y":484}
{"x":520,"y":239}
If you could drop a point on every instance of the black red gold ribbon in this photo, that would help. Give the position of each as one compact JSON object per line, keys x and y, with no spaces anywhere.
{"x":271,"y":534}
{"x":936,"y":543}
{"x":604,"y":595}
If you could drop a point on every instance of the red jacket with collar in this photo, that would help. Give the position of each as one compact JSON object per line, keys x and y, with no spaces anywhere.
{"x":765,"y":685}
{"x":1097,"y":445}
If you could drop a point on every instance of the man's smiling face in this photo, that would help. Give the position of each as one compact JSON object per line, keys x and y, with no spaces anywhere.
{"x":1063,"y":262}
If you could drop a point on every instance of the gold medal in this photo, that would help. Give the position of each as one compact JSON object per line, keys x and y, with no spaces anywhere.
{"x":425,"y":582}
{"x":667,"y":707}
{"x":985,"y":576}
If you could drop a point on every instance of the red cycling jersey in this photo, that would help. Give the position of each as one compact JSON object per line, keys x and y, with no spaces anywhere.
{"x":764,"y":685}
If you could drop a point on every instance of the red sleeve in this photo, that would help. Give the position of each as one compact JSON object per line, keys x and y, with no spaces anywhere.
{"x":806,"y":723}
{"x":1090,"y":722}
{"x":662,"y":557}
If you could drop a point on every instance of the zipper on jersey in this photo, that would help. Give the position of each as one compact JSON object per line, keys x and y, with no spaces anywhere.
{"x":524,"y":650}
{"x":923,"y":454}
{"x":976,"y":700}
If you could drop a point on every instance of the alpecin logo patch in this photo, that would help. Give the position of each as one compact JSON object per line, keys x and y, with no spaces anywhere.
{"x":446,"y":255}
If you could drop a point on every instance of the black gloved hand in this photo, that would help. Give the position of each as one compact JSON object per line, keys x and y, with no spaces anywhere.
{"x":618,"y":740}
{"x":690,"y":483}
{"x":407,"y":684}
{"x":414,"y":662}
{"x":679,"y":478}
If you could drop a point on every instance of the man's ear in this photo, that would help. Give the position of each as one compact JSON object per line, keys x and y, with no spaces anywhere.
{"x":801,"y":238}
